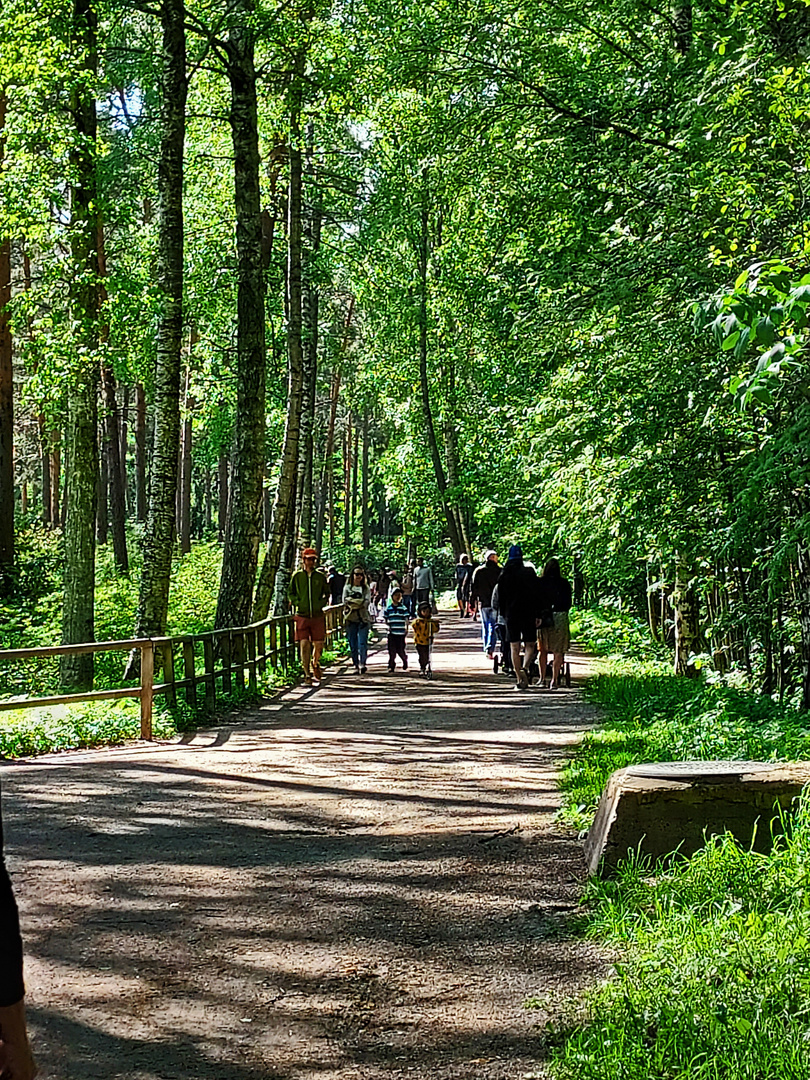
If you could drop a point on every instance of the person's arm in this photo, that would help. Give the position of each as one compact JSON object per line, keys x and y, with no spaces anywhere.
{"x":291,"y":592}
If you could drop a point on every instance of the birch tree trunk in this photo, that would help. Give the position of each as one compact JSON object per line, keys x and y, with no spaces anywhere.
{"x":6,"y":401}
{"x":153,"y":601}
{"x":243,"y":532}
{"x":365,"y":507}
{"x":82,"y":410}
{"x":140,"y":453}
{"x":283,"y":504}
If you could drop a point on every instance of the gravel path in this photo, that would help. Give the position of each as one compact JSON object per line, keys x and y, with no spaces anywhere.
{"x":359,"y":881}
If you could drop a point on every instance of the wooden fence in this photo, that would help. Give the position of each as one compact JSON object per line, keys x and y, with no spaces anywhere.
{"x":235,"y":657}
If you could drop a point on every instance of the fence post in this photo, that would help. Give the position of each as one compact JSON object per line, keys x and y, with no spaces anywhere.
{"x":251,"y":660}
{"x":239,"y":657}
{"x":261,"y":649}
{"x":147,"y":681}
{"x":210,"y":677}
{"x":188,"y":672}
{"x":166,"y":647}
{"x":225,"y":650}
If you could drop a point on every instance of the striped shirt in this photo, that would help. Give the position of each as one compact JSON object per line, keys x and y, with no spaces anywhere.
{"x":396,"y":615}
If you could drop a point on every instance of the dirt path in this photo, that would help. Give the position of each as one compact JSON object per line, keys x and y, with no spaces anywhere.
{"x":358,"y":881}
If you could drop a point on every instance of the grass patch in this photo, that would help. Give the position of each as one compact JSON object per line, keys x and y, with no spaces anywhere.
{"x":714,"y":979}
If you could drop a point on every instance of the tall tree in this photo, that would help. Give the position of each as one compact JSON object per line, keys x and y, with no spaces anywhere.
{"x":82,"y":416}
{"x":153,"y":597}
{"x":243,"y":530}
{"x":6,"y":396}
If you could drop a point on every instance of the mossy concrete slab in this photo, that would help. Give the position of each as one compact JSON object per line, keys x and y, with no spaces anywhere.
{"x":673,"y":806}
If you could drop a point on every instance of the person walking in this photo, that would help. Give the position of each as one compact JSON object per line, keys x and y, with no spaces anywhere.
{"x":357,"y":617}
{"x":484,"y":580}
{"x":423,"y":582}
{"x":519,"y":605}
{"x":16,"y":1062}
{"x":337,"y":583}
{"x":424,"y":630}
{"x":308,"y":595}
{"x":463,"y":575}
{"x":408,"y":597}
{"x":396,"y":615}
{"x":555,"y":635}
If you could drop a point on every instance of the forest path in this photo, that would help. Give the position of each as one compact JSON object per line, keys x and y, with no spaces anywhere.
{"x":359,"y":881}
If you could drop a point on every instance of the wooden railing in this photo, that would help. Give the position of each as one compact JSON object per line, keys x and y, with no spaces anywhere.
{"x":231,"y":656}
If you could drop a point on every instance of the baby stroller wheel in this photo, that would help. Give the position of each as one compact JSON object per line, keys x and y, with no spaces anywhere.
{"x":429,"y":672}
{"x":568,"y":675}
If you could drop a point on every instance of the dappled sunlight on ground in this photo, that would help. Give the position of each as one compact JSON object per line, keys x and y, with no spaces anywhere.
{"x":358,"y":880}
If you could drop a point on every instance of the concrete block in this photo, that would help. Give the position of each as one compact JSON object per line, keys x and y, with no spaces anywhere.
{"x":674,"y":805}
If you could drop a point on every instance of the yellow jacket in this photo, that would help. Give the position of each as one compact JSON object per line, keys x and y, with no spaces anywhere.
{"x":424,"y":630}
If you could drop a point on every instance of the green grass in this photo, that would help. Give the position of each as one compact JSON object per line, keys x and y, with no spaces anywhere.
{"x":712,"y":977}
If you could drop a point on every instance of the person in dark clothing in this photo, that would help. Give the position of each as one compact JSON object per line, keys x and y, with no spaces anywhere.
{"x":555,"y":637}
{"x":464,"y":571}
{"x":16,"y":1062}
{"x":520,"y":603}
{"x":484,"y":580}
{"x":337,"y":583}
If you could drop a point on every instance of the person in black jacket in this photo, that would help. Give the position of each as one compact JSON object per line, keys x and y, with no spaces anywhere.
{"x":556,"y":637}
{"x":484,"y":580}
{"x":519,"y":603}
{"x":16,"y":1062}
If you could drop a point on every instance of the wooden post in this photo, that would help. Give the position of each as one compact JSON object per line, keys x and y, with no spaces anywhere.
{"x":239,"y":658}
{"x":168,"y":670}
{"x":210,"y":677}
{"x":274,"y":645}
{"x":188,"y":671}
{"x":225,"y":649}
{"x":147,"y":681}
{"x":251,"y":661}
{"x":261,"y":649}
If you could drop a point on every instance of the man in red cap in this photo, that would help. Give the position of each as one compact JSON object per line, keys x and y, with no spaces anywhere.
{"x":308,"y":595}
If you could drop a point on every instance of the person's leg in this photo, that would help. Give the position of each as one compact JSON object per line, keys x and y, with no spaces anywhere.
{"x":556,"y":669}
{"x":514,"y":647}
{"x":305,"y":646}
{"x":402,"y":652}
{"x":529,"y":653}
{"x":392,"y":652}
{"x":362,"y":645}
{"x":422,"y":653}
{"x":488,"y":630}
{"x":317,"y":649}
{"x":352,"y":635}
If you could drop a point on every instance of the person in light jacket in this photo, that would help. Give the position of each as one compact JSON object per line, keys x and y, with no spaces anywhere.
{"x":357,"y":617}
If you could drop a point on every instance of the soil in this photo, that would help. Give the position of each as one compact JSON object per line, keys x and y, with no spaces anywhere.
{"x":359,"y":880}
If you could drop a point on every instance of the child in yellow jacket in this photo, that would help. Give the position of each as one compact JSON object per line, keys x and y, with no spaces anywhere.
{"x":424,"y":630}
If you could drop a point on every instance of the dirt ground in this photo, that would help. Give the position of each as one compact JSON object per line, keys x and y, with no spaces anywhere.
{"x":360,"y":880}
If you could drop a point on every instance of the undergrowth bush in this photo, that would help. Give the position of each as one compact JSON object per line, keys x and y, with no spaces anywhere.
{"x":714,"y":976}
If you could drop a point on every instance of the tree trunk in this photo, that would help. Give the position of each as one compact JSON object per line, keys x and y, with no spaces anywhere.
{"x":430,"y":430}
{"x":285,"y":493}
{"x":124,"y":447}
{"x":55,"y":464}
{"x":222,"y":493}
{"x":45,"y":466}
{"x":6,"y":402}
{"x":347,"y":481}
{"x":185,"y":479}
{"x":103,"y":497}
{"x":803,"y":575}
{"x":365,"y":506}
{"x":140,"y":453}
{"x":243,"y":533}
{"x":153,"y":600}
{"x":311,"y":305}
{"x":82,"y":411}
{"x":326,"y":471}
{"x":687,"y":623}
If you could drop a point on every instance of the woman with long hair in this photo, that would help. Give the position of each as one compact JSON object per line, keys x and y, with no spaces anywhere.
{"x":555,"y":638}
{"x":357,"y":617}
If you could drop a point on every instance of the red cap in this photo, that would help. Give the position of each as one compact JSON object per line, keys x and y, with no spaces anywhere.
{"x":309,"y":553}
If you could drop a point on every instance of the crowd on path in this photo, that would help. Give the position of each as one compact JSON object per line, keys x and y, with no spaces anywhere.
{"x":524,"y":615}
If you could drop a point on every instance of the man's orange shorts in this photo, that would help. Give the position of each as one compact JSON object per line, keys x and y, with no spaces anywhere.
{"x":313,"y":629}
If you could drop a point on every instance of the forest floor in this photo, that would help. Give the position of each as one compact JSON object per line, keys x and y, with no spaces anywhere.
{"x":351,"y":882}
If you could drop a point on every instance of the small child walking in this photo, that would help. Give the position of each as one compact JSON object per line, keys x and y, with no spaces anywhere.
{"x":424,"y":630}
{"x":396,"y":615}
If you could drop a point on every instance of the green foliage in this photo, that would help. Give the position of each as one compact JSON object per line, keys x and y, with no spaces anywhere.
{"x":650,"y":714}
{"x":69,"y":727}
{"x":713,"y":978}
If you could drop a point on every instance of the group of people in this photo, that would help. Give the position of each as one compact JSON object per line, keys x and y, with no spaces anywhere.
{"x":526,"y":612}
{"x":401,"y":599}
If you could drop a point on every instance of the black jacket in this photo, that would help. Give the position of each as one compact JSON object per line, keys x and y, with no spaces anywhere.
{"x":11,"y":958}
{"x":485,"y":578}
{"x":518,"y":591}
